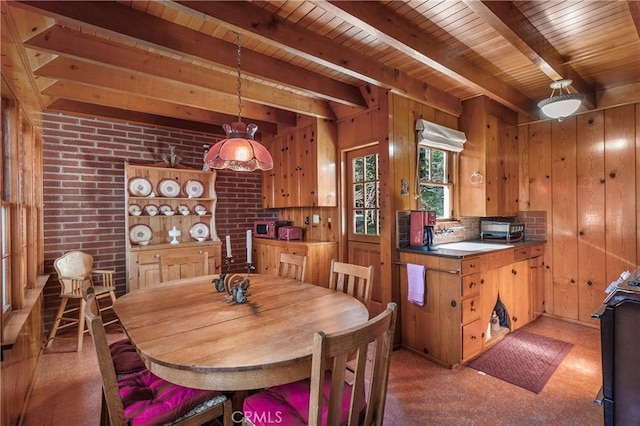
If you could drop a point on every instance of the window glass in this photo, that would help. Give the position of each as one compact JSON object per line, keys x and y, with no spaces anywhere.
{"x":436,"y":190}
{"x":366,"y":195}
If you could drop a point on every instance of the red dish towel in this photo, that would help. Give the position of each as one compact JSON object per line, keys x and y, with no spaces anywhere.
{"x":416,"y":278}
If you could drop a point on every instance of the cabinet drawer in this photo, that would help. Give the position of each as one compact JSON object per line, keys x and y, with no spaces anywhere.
{"x":470,"y":309}
{"x":521,"y":253}
{"x":471,"y":339}
{"x":151,"y":256}
{"x":470,"y":284}
{"x":537,"y":250}
{"x":469,"y":266}
{"x":498,"y":259}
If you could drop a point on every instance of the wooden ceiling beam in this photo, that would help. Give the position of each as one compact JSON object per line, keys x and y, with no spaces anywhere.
{"x":74,"y":44}
{"x":132,"y":102}
{"x":122,"y":21}
{"x":260,"y":23}
{"x":396,"y":31}
{"x":510,"y":23}
{"x":127,"y":82}
{"x":634,"y":9}
{"x":93,"y":110}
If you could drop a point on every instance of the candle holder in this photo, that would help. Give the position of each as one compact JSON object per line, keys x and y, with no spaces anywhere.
{"x":219,"y":282}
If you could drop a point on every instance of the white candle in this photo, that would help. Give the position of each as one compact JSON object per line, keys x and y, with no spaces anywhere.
{"x":249,"y":246}
{"x":228,"y":241}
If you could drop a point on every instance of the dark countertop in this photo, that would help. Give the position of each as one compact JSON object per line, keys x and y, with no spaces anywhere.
{"x":461,"y":254}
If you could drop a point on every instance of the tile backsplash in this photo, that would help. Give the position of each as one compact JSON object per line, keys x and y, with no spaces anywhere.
{"x":468,"y":228}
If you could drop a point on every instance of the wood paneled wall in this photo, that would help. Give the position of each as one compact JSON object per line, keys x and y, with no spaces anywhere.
{"x":390,"y":123}
{"x":19,"y":364}
{"x":585,"y":173}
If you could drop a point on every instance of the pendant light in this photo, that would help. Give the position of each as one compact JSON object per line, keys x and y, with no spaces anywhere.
{"x":239,"y":151}
{"x":563,"y":104}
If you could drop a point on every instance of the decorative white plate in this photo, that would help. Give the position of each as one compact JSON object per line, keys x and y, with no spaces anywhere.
{"x":183,"y":209}
{"x":199,"y":231}
{"x":140,"y":234}
{"x":135,"y":209}
{"x":200,"y":209}
{"x":193,"y":188}
{"x":140,"y":187}
{"x":166,"y":209}
{"x":168,"y":188}
{"x":151,"y":209}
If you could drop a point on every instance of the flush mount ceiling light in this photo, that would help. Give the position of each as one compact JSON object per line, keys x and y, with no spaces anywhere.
{"x":563,"y":104}
{"x":239,"y":151}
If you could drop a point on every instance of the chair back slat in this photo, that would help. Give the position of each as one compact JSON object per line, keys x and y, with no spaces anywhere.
{"x":292,"y":266}
{"x":335,"y":350}
{"x":355,"y":280}
{"x":105,"y":363}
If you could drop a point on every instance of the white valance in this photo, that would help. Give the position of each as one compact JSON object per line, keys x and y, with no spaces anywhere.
{"x":440,"y":137}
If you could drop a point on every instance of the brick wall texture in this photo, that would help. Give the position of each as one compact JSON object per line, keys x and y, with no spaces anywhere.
{"x":84,"y":190}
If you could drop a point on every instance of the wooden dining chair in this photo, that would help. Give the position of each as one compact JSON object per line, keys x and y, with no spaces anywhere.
{"x":355,"y":280}
{"x":327,"y":398}
{"x":75,"y":273}
{"x":292,"y":266}
{"x":143,"y":398}
{"x":175,"y":267}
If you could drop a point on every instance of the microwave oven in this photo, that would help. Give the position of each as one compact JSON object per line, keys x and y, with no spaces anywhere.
{"x":268,"y":228}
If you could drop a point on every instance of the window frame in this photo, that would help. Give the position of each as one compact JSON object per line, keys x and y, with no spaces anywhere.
{"x":451,"y":163}
{"x":362,"y":152}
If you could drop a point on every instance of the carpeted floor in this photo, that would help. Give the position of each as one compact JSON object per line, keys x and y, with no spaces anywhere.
{"x":524,"y":359}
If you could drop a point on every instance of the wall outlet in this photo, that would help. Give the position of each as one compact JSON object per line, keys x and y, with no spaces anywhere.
{"x":316,"y":219}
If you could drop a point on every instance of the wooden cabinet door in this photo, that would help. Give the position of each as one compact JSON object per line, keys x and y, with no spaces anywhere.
{"x":307,"y":164}
{"x":514,"y":293}
{"x":522,"y":314}
{"x":269,"y":181}
{"x":489,"y":289}
{"x":536,"y":287}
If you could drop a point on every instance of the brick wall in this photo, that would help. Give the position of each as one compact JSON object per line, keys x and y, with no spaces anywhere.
{"x":84,"y":190}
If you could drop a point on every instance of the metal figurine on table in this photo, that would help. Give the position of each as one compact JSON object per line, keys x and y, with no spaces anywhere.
{"x":236,"y":286}
{"x":219,"y":282}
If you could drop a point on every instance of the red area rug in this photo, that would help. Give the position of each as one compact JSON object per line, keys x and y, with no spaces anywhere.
{"x":523,"y":359}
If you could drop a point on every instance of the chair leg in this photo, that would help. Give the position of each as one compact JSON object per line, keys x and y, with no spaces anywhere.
{"x":81,"y":322}
{"x":56,"y":323}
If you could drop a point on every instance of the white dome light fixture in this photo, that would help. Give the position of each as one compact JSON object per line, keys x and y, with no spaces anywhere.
{"x":563,"y":104}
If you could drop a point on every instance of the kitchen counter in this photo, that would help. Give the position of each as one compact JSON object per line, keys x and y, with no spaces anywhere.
{"x":461,"y":254}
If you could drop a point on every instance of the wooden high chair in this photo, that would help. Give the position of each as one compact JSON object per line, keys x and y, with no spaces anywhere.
{"x":75,"y":272}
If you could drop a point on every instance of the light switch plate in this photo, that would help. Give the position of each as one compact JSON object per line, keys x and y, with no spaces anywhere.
{"x":316,"y":219}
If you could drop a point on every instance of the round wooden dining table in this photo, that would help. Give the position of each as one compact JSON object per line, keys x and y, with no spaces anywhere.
{"x":190,"y":334}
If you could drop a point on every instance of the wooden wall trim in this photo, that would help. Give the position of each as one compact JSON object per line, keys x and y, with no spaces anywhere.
{"x":19,"y":318}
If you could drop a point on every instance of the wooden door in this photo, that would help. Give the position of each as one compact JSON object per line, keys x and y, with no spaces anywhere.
{"x":363,"y":215}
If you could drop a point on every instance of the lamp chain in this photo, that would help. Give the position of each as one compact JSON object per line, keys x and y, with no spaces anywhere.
{"x":239,"y":86}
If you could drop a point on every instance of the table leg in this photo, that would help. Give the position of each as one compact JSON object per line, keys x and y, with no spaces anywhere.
{"x":237,"y":399}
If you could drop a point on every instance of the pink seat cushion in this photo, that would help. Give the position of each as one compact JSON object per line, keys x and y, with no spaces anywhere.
{"x":125,"y":358}
{"x":149,"y":400}
{"x":289,"y":404}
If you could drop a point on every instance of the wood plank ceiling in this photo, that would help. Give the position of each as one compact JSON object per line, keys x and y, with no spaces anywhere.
{"x":175,"y":62}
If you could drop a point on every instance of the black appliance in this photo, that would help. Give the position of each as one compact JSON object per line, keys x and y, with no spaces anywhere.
{"x":620,"y":340}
